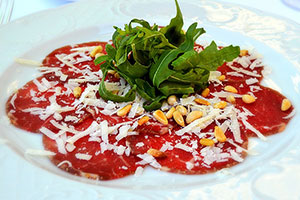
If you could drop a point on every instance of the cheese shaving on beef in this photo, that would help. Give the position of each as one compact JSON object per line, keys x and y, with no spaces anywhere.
{"x":39,"y":152}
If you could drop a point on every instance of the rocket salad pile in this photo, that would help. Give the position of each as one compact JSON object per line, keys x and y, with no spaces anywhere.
{"x":158,"y":62}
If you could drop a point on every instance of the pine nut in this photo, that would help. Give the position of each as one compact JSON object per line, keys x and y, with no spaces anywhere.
{"x":172,"y":100}
{"x":220,"y":105}
{"x":202,"y":102}
{"x":124,"y":111}
{"x":231,"y":89}
{"x":205,"y":92}
{"x":96,"y":50}
{"x":192,"y":116}
{"x":243,"y":52}
{"x":219,"y":134}
{"x":111,"y":71}
{"x":182,"y":110}
{"x":156,"y":153}
{"x":285,"y":105}
{"x":160,"y":116}
{"x":178,"y":118}
{"x":115,"y":92}
{"x":77,"y":92}
{"x":230,"y":99}
{"x":117,"y":75}
{"x":143,"y":120}
{"x":222,"y":78}
{"x":207,"y":142}
{"x":98,"y":55}
{"x":169,"y":114}
{"x":248,"y":98}
{"x":140,"y":110}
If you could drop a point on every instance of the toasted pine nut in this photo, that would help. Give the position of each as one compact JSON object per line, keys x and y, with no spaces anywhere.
{"x":220,"y":105}
{"x":248,"y":98}
{"x":169,"y":114}
{"x":231,"y":89}
{"x":96,"y":50}
{"x":205,"y":92}
{"x":77,"y":92}
{"x":124,"y":111}
{"x":285,"y":105}
{"x":160,"y":116}
{"x":182,"y":110}
{"x":143,"y":120}
{"x":115,"y":91}
{"x":172,"y":100}
{"x":243,"y":52}
{"x":219,"y":134}
{"x":117,"y":75}
{"x":111,"y":71}
{"x":192,"y":116}
{"x":230,"y":99}
{"x":156,"y":153}
{"x":98,"y":55}
{"x":178,"y":118}
{"x":222,"y":78}
{"x":202,"y":102}
{"x":140,"y":110}
{"x":207,"y":142}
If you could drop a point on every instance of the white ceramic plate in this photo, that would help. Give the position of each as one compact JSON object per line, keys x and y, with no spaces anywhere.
{"x":273,"y":173}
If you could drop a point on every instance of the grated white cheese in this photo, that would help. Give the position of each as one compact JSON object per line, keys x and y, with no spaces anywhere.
{"x":139,"y":171}
{"x":251,"y":81}
{"x":39,"y":152}
{"x":82,"y":156}
{"x":24,"y":61}
{"x":148,"y":159}
{"x":244,"y":71}
{"x":183,"y":147}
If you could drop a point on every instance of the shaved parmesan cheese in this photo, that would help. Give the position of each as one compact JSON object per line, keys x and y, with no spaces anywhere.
{"x":183,"y":147}
{"x":290,"y":115}
{"x":189,"y":165}
{"x":120,"y":150}
{"x":244,"y":71}
{"x":48,"y":133}
{"x":148,"y":159}
{"x":70,"y":147}
{"x":234,"y":74}
{"x":251,"y":81}
{"x":65,"y":162}
{"x":235,"y":156}
{"x":199,"y":122}
{"x":123,"y":132}
{"x":28,"y":62}
{"x":139,"y":171}
{"x":82,"y":156}
{"x":12,"y":100}
{"x":139,"y":144}
{"x":39,"y":152}
{"x":254,"y":130}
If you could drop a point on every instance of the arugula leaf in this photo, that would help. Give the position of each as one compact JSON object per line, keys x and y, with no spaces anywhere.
{"x":168,"y":88}
{"x":108,"y":95}
{"x":211,"y":58}
{"x":158,"y":63}
{"x":191,"y":36}
{"x":155,"y":104}
{"x":160,"y":71}
{"x":173,"y":31}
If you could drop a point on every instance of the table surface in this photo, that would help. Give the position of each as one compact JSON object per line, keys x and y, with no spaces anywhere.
{"x":277,"y":7}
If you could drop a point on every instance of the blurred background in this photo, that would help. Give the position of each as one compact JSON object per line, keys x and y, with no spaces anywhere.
{"x":286,"y":8}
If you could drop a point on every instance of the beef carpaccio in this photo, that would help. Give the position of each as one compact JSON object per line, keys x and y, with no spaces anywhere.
{"x":105,"y":140}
